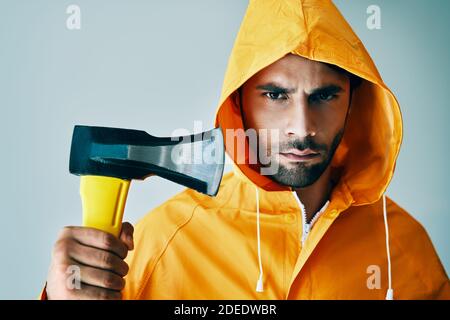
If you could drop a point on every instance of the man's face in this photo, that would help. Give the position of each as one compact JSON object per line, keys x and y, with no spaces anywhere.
{"x":307,"y":102}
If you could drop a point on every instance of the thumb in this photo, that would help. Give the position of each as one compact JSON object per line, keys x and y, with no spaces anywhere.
{"x":126,"y":235}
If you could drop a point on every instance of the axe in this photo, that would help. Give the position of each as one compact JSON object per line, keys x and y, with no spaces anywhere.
{"x":107,"y":159}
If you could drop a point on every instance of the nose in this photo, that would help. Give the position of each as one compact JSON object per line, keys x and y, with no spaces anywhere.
{"x":300,"y":121}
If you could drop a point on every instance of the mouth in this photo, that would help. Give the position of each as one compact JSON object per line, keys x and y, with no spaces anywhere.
{"x":300,"y":155}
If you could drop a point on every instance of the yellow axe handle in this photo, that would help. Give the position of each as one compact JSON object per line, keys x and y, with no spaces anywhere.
{"x":103,"y":200}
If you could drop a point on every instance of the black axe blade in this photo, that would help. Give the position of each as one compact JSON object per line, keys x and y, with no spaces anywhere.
{"x":195,"y":161}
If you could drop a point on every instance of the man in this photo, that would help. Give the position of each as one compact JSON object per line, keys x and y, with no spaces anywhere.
{"x":310,"y":221}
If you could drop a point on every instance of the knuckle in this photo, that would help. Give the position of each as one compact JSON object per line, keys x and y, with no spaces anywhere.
{"x":107,"y":240}
{"x":64,"y":232}
{"x":108,"y":280}
{"x":61,"y":248}
{"x":107,"y":260}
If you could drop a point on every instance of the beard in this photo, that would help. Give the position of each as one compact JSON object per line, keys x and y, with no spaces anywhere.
{"x":303,"y":174}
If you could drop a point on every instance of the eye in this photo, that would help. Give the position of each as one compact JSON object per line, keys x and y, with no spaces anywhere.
{"x":323,"y":97}
{"x":275,"y":95}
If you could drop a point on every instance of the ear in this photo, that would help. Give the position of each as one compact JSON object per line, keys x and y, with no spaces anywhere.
{"x":236,"y":98}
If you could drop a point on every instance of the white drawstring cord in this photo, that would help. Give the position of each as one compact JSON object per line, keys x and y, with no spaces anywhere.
{"x":390,"y":291}
{"x":259,"y":284}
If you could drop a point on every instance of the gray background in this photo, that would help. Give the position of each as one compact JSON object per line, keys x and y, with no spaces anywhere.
{"x":159,"y":65}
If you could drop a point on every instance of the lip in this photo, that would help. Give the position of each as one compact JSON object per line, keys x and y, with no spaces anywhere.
{"x":303,"y":155}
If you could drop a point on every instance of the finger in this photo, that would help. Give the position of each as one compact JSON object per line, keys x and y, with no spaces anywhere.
{"x":126,"y":235}
{"x":89,"y":292}
{"x":98,"y":239}
{"x":101,"y":278}
{"x":98,"y":258}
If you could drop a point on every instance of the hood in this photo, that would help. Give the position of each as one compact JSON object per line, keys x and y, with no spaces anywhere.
{"x":316,"y":30}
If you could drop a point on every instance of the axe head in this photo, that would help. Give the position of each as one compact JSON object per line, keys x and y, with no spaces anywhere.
{"x":195,"y":161}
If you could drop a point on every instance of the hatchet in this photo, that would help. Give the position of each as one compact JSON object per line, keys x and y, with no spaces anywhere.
{"x":107,"y":159}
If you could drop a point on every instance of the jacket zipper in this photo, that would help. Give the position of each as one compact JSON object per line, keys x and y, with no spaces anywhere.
{"x":306,"y":227}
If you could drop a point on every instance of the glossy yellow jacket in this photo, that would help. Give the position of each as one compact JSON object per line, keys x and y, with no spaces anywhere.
{"x":197,"y":247}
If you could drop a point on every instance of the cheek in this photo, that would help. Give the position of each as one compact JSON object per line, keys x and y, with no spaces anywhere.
{"x":331,"y":116}
{"x":330,"y":120}
{"x":269,"y":128}
{"x":329,"y":124}
{"x":259,"y":115}
{"x":264,"y":120}
{"x":265,"y":140}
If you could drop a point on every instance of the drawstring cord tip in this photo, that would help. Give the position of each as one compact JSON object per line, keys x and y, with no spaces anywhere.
{"x":390,"y":294}
{"x":259,"y":286}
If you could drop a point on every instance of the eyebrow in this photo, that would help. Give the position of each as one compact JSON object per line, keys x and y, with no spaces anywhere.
{"x":273,"y":87}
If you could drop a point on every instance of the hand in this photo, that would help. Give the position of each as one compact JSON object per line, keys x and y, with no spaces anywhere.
{"x":89,"y":264}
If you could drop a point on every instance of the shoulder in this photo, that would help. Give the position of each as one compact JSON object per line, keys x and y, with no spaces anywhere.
{"x":403,"y":223}
{"x":420,"y":273}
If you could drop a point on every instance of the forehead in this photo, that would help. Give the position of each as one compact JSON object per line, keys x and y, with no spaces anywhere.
{"x":295,"y":68}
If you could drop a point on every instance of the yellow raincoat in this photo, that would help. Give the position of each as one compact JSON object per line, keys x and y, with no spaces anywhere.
{"x":197,"y":247}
